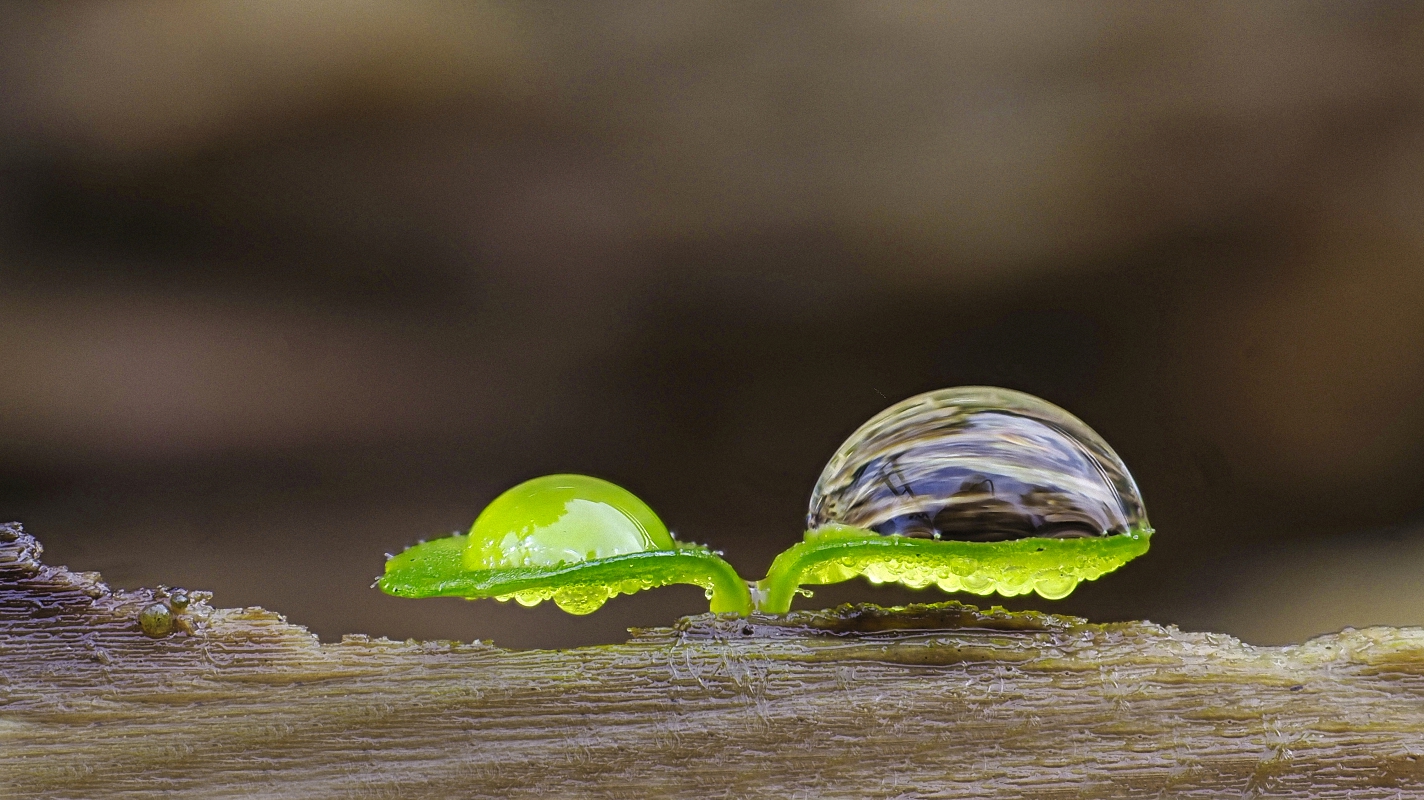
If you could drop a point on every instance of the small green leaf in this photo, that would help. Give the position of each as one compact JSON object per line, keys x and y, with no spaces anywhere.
{"x":1050,"y":567}
{"x":571,"y":538}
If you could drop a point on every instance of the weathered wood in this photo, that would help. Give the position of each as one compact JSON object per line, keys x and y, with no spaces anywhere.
{"x":930,"y":701}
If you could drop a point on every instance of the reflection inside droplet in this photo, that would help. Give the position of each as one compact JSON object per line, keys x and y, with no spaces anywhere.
{"x":977,"y":464}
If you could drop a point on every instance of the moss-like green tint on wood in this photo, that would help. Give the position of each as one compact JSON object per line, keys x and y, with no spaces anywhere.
{"x":577,"y":540}
{"x":156,"y":620}
{"x":435,"y":569}
{"x":1051,"y":567}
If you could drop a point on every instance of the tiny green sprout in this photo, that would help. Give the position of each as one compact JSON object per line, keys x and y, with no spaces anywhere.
{"x":577,"y":540}
{"x":974,"y":489}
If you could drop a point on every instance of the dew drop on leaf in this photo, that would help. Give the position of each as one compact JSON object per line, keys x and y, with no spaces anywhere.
{"x":562,"y":519}
{"x":978,"y":464}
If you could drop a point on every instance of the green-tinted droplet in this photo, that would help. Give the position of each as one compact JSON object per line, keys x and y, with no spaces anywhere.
{"x":563,"y":519}
{"x":156,"y":620}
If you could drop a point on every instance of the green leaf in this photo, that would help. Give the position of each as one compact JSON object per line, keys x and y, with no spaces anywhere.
{"x":1051,"y":567}
{"x":577,"y":540}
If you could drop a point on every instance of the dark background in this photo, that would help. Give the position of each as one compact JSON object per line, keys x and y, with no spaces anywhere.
{"x":287,"y":286}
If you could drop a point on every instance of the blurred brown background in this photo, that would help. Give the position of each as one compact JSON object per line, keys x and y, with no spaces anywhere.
{"x":287,"y":286}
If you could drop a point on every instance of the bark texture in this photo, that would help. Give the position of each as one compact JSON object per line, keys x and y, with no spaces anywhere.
{"x":938,"y":701}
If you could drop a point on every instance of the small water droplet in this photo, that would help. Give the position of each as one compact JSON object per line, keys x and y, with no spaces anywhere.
{"x":980,"y":464}
{"x":584,"y":599}
{"x":156,"y":620}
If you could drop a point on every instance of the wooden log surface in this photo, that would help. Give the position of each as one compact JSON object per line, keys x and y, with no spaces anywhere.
{"x":941,"y":701}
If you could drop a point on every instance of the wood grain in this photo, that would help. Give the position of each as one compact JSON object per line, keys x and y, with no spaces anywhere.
{"x":941,"y":701}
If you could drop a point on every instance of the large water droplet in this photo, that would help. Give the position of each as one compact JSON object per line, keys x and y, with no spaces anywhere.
{"x":977,"y":463}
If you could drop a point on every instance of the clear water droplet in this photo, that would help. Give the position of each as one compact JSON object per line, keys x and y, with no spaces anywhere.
{"x":977,"y":463}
